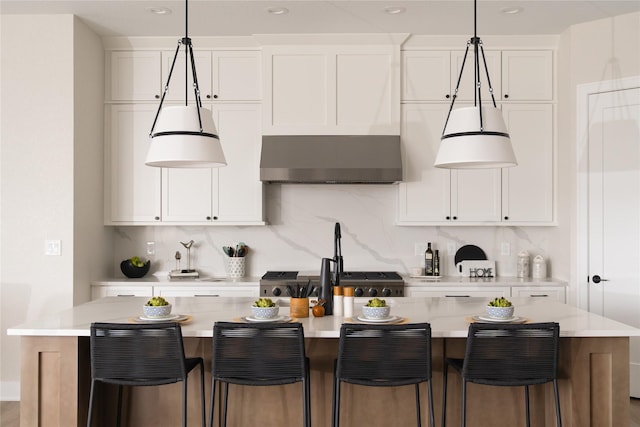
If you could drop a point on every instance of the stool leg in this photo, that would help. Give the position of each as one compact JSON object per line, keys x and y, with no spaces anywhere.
{"x":204,"y":415}
{"x":432,"y":419}
{"x":526,"y":401}
{"x":464,"y":402}
{"x":557,"y":399}
{"x":89,"y":415}
{"x":444,"y":394}
{"x":224,"y":404}
{"x":336,"y":404}
{"x":307,"y":394}
{"x":118,"y":419}
{"x":184,"y":403}
{"x":419,"y":424}
{"x":213,"y":399}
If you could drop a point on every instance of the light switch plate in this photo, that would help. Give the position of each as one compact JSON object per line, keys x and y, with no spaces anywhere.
{"x":52,"y":247}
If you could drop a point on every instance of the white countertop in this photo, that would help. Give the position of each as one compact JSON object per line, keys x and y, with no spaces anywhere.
{"x":447,"y":316}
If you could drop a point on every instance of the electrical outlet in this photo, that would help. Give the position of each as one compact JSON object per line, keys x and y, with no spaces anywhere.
{"x":451,"y":249}
{"x":419,"y":248}
{"x":505,"y":249}
{"x":151,"y":248}
{"x":52,"y":247}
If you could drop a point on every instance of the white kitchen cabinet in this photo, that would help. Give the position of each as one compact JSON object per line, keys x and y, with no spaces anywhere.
{"x":338,"y":90}
{"x":430,"y":195}
{"x":222,"y":75}
{"x":177,"y":87}
{"x":228,"y":195}
{"x":432,"y":75}
{"x":205,"y":291}
{"x":426,"y":75}
{"x":133,"y":76}
{"x":527,"y":75}
{"x":466,"y":90}
{"x":516,"y":75}
{"x":133,"y":190}
{"x":459,"y":291}
{"x":555,"y":292}
{"x":121,"y":291}
{"x":527,"y":189}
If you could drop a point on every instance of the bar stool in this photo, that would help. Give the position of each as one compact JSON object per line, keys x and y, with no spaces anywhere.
{"x":141,"y":355}
{"x":508,"y":355}
{"x":384,"y":356}
{"x":259,"y":354}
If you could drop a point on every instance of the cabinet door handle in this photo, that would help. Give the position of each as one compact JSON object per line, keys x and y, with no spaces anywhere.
{"x":539,"y":295}
{"x":506,"y":218}
{"x":455,"y":217}
{"x":215,"y":96}
{"x":447,"y":96}
{"x":448,"y":218}
{"x":506,"y":96}
{"x":208,"y":218}
{"x":458,"y":296}
{"x":157,"y":96}
{"x":208,"y":96}
{"x":125,"y":295}
{"x":157,"y":218}
{"x":206,"y":295}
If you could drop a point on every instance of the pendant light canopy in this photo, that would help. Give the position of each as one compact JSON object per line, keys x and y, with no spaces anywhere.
{"x":475,"y":137}
{"x":184,"y":136}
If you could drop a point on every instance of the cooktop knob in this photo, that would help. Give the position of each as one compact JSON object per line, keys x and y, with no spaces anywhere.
{"x":386,"y":292}
{"x":276,"y":291}
{"x":358,"y":292}
{"x":373,"y":292}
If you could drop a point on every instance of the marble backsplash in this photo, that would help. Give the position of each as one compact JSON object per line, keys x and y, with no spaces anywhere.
{"x":300,"y":229}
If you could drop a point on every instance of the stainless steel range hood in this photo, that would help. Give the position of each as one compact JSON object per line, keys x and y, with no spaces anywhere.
{"x":331,"y":159}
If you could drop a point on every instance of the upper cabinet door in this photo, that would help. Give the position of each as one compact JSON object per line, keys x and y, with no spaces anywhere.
{"x":177,"y":88}
{"x":324,"y":90}
{"x":135,"y":76}
{"x":527,"y":75}
{"x":187,"y":194}
{"x":239,"y":189}
{"x":367,"y":92}
{"x":236,"y":76}
{"x":426,"y":75}
{"x":424,"y":193}
{"x":527,"y":189}
{"x":466,"y":90}
{"x":132,"y":188}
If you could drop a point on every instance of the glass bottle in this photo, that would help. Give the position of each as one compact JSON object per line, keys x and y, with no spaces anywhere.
{"x":428,"y":261}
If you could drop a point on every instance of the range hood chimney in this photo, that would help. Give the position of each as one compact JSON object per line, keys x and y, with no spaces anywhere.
{"x":331,"y":159}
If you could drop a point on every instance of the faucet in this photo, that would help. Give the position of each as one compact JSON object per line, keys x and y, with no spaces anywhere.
{"x":337,"y":255}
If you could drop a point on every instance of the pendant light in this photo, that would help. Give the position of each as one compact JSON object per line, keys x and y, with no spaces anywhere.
{"x":475,"y":137}
{"x":184,"y":136}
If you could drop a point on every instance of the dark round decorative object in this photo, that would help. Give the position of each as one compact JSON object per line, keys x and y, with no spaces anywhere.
{"x":133,"y":272}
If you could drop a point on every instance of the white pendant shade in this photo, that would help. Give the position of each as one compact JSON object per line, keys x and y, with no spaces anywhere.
{"x":177,"y":141}
{"x":465,"y":146}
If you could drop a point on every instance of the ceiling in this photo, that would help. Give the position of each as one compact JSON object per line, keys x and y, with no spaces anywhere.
{"x":241,"y":18}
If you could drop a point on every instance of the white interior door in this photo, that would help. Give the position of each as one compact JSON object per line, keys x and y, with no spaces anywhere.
{"x":614,"y":212}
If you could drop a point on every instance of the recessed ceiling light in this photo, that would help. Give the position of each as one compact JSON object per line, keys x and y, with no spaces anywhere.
{"x":394,"y":10}
{"x":512,"y":10}
{"x":159,"y":10}
{"x":278,"y":10}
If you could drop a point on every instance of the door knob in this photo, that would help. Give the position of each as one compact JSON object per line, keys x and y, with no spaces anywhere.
{"x":598,"y":279}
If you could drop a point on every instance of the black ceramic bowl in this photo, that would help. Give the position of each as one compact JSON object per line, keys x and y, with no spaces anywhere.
{"x":133,"y":272}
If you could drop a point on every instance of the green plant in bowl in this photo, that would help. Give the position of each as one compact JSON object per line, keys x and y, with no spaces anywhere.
{"x":376,"y":309}
{"x":500,"y":308}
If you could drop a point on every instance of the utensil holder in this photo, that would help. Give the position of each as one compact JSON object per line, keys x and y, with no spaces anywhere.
{"x":299,"y":307}
{"x":235,"y":267}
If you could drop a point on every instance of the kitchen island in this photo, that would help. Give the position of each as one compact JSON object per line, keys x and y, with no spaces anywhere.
{"x":594,"y":369}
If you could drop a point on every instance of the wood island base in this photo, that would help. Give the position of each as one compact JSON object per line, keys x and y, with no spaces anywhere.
{"x":594,"y":391}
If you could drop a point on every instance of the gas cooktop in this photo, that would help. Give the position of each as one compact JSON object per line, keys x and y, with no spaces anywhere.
{"x":366,"y":283}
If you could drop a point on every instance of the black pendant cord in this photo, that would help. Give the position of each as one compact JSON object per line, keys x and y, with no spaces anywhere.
{"x":188,"y":51}
{"x":478,"y":50}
